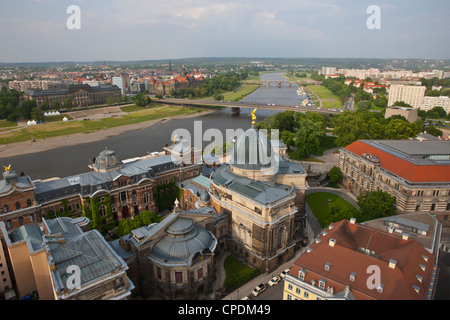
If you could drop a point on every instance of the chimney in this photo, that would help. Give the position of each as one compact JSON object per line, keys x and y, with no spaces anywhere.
{"x":332,"y":242}
{"x":352,"y":220}
{"x":392,"y":263}
{"x":391,"y":229}
{"x":405,"y":236}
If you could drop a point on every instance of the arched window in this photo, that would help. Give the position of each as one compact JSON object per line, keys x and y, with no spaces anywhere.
{"x":9,"y":224}
{"x":17,"y":205}
{"x":21,"y":221}
{"x":102,"y":210}
{"x":280,"y":237}
{"x":146,"y":197}
{"x":28,"y":203}
{"x":5,"y":208}
{"x":32,"y":217}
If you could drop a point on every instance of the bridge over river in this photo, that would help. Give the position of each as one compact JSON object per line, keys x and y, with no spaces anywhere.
{"x":236,"y":105}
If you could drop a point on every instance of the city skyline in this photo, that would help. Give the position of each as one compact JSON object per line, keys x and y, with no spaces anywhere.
{"x":147,"y":30}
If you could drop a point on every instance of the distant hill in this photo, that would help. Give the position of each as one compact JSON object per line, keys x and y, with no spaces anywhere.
{"x":409,"y":64}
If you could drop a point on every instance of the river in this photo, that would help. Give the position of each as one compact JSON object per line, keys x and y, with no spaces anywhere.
{"x":74,"y":159}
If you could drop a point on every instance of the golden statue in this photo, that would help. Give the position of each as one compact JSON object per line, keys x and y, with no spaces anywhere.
{"x":7,"y":168}
{"x":254,"y":116}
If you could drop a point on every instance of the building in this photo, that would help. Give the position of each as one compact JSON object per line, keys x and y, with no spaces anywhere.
{"x":429,"y":103}
{"x":411,"y":95}
{"x":112,"y":190}
{"x":123,"y":82}
{"x":174,"y":259}
{"x":416,"y":173}
{"x":263,"y":197}
{"x":351,"y":261}
{"x":44,"y":257}
{"x":182,"y":80}
{"x":81,"y":95}
{"x":410,"y":114}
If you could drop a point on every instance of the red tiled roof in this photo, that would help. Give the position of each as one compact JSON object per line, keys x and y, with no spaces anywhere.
{"x":344,"y":259}
{"x":401,"y":167}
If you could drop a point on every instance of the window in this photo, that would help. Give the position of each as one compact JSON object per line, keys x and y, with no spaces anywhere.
{"x":9,"y":224}
{"x":17,"y":205}
{"x":158,"y":273}
{"x":289,"y":297}
{"x":146,"y":197}
{"x":290,"y":287}
{"x":5,"y":208}
{"x":123,"y":196}
{"x":301,"y":275}
{"x":306,"y":294}
{"x":298,"y":291}
{"x":178,"y":277}
{"x":327,"y":266}
{"x":102,"y":210}
{"x":32,"y":217}
{"x":21,"y":221}
{"x":448,"y":207}
{"x":322,"y":284}
{"x":200,"y":273}
{"x":433,"y":207}
{"x":28,"y":203}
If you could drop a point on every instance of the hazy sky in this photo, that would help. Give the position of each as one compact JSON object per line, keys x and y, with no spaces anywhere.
{"x":36,"y":31}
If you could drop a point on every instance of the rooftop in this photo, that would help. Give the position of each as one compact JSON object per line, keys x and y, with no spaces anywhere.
{"x":407,"y":269}
{"x":412,"y":160}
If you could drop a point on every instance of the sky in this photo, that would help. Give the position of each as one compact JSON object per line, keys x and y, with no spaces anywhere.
{"x":128,"y":30}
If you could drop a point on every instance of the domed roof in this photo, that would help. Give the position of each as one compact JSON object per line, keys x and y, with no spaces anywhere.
{"x":107,"y":160}
{"x":252,"y":150}
{"x":204,"y":197}
{"x":183,"y":240}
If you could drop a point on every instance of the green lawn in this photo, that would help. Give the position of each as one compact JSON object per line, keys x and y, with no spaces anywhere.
{"x":325,"y":94}
{"x":237,"y":273}
{"x":7,"y":124}
{"x":318,"y":202}
{"x":240,"y":93}
{"x":49,"y":130}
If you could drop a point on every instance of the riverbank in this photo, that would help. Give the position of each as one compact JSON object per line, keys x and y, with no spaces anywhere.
{"x":45,"y":144}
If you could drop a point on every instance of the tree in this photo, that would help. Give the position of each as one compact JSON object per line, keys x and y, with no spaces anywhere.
{"x":434,"y":131}
{"x":335,"y":175}
{"x":309,"y":137}
{"x":56,"y":105}
{"x":68,"y":103}
{"x":364,"y":105}
{"x":376,"y":204}
{"x":287,"y":137}
{"x":336,"y":213}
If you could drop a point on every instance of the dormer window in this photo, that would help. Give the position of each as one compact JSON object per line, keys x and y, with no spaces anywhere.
{"x":322,"y":283}
{"x":327,"y":266}
{"x":301,"y":274}
{"x":352,"y":276}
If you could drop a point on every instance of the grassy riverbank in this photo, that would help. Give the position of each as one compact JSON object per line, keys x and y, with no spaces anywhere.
{"x":240,"y":93}
{"x":49,"y":130}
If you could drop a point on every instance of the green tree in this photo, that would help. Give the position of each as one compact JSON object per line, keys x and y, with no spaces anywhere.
{"x":309,"y":137}
{"x":56,"y":105}
{"x":335,"y":175}
{"x":434,"y":131}
{"x":336,"y":213}
{"x":376,"y":204}
{"x":68,"y":103}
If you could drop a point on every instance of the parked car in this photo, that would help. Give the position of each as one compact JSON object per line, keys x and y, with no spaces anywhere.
{"x":284,"y":273}
{"x":258,"y":290}
{"x":274,"y":281}
{"x":245,"y":298}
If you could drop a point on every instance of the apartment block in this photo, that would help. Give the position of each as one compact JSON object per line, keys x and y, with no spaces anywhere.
{"x":411,"y":95}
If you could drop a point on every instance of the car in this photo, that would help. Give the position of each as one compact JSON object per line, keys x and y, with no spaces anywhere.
{"x":274,"y":281}
{"x":245,"y":298}
{"x":258,"y":290}
{"x":284,"y":273}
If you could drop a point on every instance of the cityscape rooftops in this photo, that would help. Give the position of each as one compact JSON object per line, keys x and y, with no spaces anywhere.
{"x":349,"y":249}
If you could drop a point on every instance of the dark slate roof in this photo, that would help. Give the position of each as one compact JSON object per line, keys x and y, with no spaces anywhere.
{"x":88,"y":183}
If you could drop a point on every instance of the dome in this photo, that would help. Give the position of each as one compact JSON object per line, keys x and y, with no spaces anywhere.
{"x":107,"y":160}
{"x":252,"y":150}
{"x":183,"y":240}
{"x":204,"y":197}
